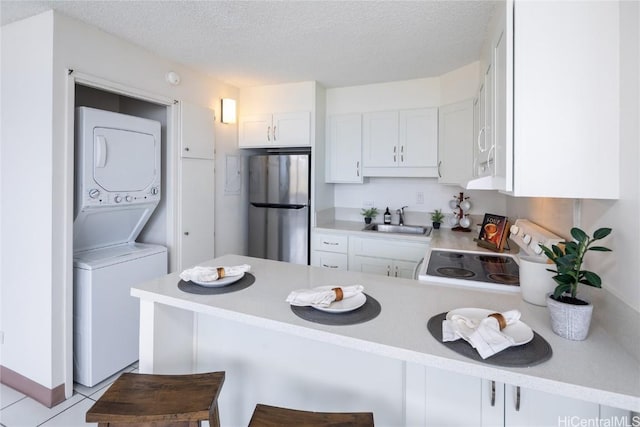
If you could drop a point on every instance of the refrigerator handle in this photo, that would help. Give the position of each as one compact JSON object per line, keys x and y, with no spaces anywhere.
{"x":277,"y":206}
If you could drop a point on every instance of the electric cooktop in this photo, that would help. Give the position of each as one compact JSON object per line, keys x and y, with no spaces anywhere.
{"x":469,"y":268}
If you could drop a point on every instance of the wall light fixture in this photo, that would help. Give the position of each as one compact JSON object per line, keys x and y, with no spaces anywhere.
{"x":228,"y":110}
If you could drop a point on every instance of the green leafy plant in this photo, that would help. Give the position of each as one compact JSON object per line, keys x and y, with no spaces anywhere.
{"x":569,"y":272}
{"x":437,"y":216}
{"x":370,"y":213}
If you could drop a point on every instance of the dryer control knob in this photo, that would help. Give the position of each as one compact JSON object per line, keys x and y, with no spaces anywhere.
{"x":128,"y":198}
{"x":537,"y":250}
{"x":117,"y":199}
{"x":94,"y":193}
{"x":154,"y":190}
{"x":526,"y":239}
{"x":514,"y":230}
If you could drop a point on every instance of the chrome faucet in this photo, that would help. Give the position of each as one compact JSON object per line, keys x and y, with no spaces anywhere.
{"x":400,"y":212}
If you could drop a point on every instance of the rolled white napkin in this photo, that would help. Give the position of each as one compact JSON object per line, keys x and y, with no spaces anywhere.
{"x":322,"y":298}
{"x":483,"y":334}
{"x":211,"y":274}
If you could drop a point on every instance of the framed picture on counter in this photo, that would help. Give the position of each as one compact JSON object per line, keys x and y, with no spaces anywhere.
{"x":494,"y":232}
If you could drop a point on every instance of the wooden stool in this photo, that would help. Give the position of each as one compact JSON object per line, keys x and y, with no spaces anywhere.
{"x":271,"y":416}
{"x":159,"y":400}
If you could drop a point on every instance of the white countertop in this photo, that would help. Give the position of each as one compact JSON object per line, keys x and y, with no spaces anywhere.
{"x":597,"y":369}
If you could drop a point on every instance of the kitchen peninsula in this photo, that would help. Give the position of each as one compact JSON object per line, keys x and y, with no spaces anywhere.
{"x":388,"y":365}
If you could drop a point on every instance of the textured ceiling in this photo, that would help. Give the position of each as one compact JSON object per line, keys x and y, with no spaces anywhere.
{"x":246,"y":43}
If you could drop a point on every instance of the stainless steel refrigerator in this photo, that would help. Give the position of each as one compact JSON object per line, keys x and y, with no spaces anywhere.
{"x":279,"y":206}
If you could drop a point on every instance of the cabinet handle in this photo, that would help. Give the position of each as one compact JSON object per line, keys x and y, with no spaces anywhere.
{"x":268,"y":133}
{"x":358,"y":168}
{"x":396,"y":274}
{"x":186,"y":233}
{"x":329,"y":266}
{"x":330,"y":243}
{"x":480,"y":147}
{"x":186,"y":148}
{"x":394,"y":154}
{"x":402,"y":153}
{"x":274,"y":133}
{"x":517,"y":398}
{"x":439,"y":164}
{"x":493,"y":393}
{"x":388,"y":270}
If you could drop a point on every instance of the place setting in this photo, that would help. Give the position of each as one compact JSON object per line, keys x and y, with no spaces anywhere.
{"x":334,"y":305}
{"x":496,"y":338}
{"x":216,"y":280}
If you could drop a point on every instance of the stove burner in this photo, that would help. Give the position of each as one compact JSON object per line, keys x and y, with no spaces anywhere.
{"x":493,"y":259}
{"x":451,"y":255}
{"x":455,"y":272}
{"x":507,"y":279}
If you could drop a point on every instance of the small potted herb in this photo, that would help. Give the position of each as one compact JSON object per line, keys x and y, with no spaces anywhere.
{"x":369,"y":214}
{"x":436,"y":218}
{"x":571,"y":316}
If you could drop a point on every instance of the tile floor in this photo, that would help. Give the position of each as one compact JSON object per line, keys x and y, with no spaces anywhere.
{"x":18,"y":410}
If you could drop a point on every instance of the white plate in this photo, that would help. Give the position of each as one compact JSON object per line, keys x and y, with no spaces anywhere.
{"x":519,"y":331}
{"x":344,"y":306}
{"x":220,"y":282}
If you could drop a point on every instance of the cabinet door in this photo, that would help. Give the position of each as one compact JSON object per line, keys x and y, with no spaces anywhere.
{"x":456,"y":143}
{"x":197,"y":136}
{"x":418,"y":138}
{"x":196,"y":212}
{"x":291,"y":129}
{"x":403,"y":269}
{"x":254,"y":130}
{"x":452,"y":399}
{"x":535,"y":408}
{"x":486,"y":149}
{"x":371,"y":265}
{"x":344,"y":148}
{"x":380,"y":139}
{"x":503,"y":129}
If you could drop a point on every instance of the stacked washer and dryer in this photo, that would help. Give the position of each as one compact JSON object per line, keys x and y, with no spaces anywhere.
{"x":117,"y":188}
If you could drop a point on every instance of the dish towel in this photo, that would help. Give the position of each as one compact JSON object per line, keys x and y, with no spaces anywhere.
{"x":483,"y":334}
{"x":211,"y":274}
{"x":322,"y":298}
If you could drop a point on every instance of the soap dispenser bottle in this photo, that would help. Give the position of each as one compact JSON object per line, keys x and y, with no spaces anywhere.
{"x":387,"y":216}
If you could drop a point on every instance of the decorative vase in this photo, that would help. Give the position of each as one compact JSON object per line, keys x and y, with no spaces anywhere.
{"x":436,"y":225}
{"x":536,"y":282}
{"x":367,"y":220}
{"x":570,"y":321}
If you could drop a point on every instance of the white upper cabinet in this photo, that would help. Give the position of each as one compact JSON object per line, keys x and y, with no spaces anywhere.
{"x":456,"y":138}
{"x":344,"y":148}
{"x":277,"y":115}
{"x":556,"y":95}
{"x":197,"y":139}
{"x":275,"y":130}
{"x":400,"y":143}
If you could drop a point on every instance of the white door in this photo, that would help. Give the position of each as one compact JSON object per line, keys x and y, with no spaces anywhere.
{"x":197,"y":212}
{"x":291,"y":129}
{"x":196,"y":122}
{"x":380,"y":139}
{"x":418,"y":138}
{"x":344,"y":149}
{"x":254,"y":130}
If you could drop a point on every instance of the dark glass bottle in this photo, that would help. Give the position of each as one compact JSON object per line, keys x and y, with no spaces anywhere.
{"x":387,"y":216}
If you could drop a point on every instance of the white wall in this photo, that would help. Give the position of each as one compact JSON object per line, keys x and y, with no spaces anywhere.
{"x":36,"y":281}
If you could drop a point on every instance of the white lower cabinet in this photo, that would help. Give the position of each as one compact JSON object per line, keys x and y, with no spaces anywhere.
{"x":329,"y":250}
{"x":387,"y":257}
{"x":452,"y":399}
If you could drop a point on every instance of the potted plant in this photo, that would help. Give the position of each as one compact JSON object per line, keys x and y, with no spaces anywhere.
{"x":571,"y":316}
{"x":369,"y":214}
{"x":436,"y":218}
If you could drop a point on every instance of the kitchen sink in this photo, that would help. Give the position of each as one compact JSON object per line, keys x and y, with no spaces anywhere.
{"x":399,"y":229}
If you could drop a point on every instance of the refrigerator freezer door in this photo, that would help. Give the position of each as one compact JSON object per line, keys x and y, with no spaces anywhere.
{"x":279,"y":233}
{"x":279,"y":179}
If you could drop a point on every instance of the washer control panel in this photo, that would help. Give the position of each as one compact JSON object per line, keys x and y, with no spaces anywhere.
{"x":529,"y":236}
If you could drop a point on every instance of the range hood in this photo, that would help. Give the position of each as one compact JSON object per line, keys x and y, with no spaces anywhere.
{"x":488,"y":182}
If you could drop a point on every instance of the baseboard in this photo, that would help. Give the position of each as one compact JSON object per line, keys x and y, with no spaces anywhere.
{"x":38,"y":392}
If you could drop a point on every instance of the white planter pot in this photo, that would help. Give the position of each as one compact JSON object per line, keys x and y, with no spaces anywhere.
{"x":568,"y":320}
{"x":535,"y":281}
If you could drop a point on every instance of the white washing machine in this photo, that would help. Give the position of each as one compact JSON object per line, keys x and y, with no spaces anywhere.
{"x":118,"y":175}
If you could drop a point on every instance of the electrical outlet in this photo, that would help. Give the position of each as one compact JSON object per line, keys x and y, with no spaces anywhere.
{"x":367,"y":204}
{"x":419,"y":198}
